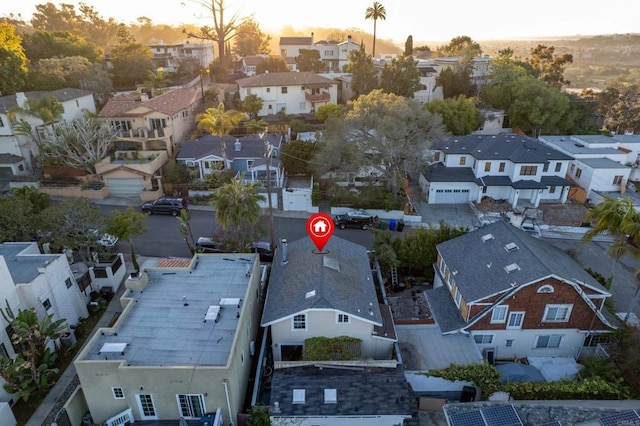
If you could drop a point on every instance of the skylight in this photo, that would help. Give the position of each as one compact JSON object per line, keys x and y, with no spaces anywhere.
{"x":511,"y":268}
{"x":511,"y":247}
{"x":487,"y":237}
{"x":330,"y":263}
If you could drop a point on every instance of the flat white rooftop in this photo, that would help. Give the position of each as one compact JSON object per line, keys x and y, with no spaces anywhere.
{"x":167,"y":327}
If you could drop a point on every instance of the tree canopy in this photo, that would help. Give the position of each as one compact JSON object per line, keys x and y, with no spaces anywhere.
{"x":456,"y":82}
{"x":620,"y":105}
{"x":459,"y":115}
{"x":309,"y":61}
{"x":252,"y":104}
{"x":59,"y":44}
{"x":401,"y":77}
{"x":13,"y":61}
{"x":219,"y":122}
{"x":461,"y":46}
{"x":131,"y":60}
{"x":375,"y":12}
{"x":363,"y":74}
{"x":383,"y":132}
{"x":549,"y":67}
{"x":250,"y":40}
{"x":272,"y":64}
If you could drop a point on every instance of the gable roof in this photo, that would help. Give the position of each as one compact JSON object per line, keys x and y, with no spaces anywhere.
{"x":62,"y":95}
{"x":479,"y":265}
{"x":350,"y":289}
{"x":292,"y":41}
{"x":285,"y":79}
{"x":168,"y":103}
{"x":252,"y":146}
{"x":515,"y":148}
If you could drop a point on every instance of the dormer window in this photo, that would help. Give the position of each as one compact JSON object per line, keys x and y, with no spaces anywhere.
{"x":545,"y":289}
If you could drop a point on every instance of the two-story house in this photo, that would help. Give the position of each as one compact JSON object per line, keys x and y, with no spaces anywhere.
{"x":325,"y":294}
{"x":245,"y":155}
{"x":183,"y":345}
{"x":517,"y":295}
{"x":74,"y":103}
{"x":600,"y":163}
{"x":45,"y":282}
{"x":334,"y":55}
{"x":149,"y":131}
{"x":170,"y":56}
{"x":505,"y":166}
{"x":290,"y":92}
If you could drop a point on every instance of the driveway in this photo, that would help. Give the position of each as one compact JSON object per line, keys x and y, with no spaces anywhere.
{"x":423,"y":348}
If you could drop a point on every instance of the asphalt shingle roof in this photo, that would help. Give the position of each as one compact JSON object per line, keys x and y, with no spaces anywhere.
{"x":251,"y":147}
{"x":62,"y":95}
{"x":515,"y":148}
{"x":438,"y":172}
{"x":285,"y":79}
{"x":603,"y":163}
{"x":370,"y":391}
{"x":479,"y":265}
{"x":350,"y":290}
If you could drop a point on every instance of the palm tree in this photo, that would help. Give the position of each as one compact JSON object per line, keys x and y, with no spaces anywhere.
{"x":618,"y":218}
{"x":377,"y":11}
{"x":237,"y":204}
{"x":125,"y":225}
{"x":256,"y":126}
{"x":220,"y":123}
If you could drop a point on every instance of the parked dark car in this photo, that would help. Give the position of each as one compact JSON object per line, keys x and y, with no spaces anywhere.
{"x":165,"y":205}
{"x":208,"y":245}
{"x":263,"y":249}
{"x":354,"y":219}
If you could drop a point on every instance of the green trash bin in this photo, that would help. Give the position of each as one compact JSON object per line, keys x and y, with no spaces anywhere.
{"x":383,"y":224}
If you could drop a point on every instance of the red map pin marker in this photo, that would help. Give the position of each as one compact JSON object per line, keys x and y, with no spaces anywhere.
{"x":320,"y":229}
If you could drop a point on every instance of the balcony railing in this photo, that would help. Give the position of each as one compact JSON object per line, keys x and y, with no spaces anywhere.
{"x":319,"y":97}
{"x":142,"y":132}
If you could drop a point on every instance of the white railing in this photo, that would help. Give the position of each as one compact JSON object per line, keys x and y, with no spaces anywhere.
{"x":121,"y":418}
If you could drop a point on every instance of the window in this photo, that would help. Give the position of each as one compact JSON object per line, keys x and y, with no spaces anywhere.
{"x":1,"y":122}
{"x":463,"y":160}
{"x":515,"y":320}
{"x":118,"y":393}
{"x":617,"y":180}
{"x":343,"y":319}
{"x":572,"y":166}
{"x":557,"y":313}
{"x":268,"y":89}
{"x":558,"y":167}
{"x":501,"y":167}
{"x":249,"y":164}
{"x":550,"y":341}
{"x":436,"y":156}
{"x":458,"y":298}
{"x":552,"y":189}
{"x":528,"y":170}
{"x":302,"y":106}
{"x":68,"y":282}
{"x":300,"y":322}
{"x":545,"y":289}
{"x":545,"y":168}
{"x":483,"y":339}
{"x":283,"y":90}
{"x":487,"y":167}
{"x":499,"y":314}
{"x":46,"y":304}
{"x":147,"y":409}
{"x":509,"y":343}
{"x":578,"y":172}
{"x":191,"y":405}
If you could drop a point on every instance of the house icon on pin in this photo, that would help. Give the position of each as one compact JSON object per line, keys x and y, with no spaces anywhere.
{"x":320,"y":227}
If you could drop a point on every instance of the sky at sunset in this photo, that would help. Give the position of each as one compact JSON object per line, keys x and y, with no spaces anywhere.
{"x":425,"y":21}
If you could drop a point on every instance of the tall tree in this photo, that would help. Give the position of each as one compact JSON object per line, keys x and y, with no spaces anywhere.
{"x":59,"y":73}
{"x":125,"y":225}
{"x":393,"y":131}
{"x":408,"y":46}
{"x":499,"y":91}
{"x":309,"y":61}
{"x":32,"y":372}
{"x":223,"y":30}
{"x":272,"y":64}
{"x":59,"y":44}
{"x":250,"y":40}
{"x":81,"y":143}
{"x":459,"y":115}
{"x":364,"y":77}
{"x":456,"y":82}
{"x":537,"y":107}
{"x":401,"y":77}
{"x":549,"y":67}
{"x":13,"y":61}
{"x":620,"y":105}
{"x":619,"y":218}
{"x":461,"y":46}
{"x":220,"y":123}
{"x":252,"y":105}
{"x":237,"y":206}
{"x":131,"y":60}
{"x":375,"y":12}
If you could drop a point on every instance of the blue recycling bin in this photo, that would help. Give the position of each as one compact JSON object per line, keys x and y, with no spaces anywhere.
{"x":392,"y":224}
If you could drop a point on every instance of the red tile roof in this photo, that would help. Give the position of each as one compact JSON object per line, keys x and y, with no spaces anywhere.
{"x":173,"y":263}
{"x":168,"y":103}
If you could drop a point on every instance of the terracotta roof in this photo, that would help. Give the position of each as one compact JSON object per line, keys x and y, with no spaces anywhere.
{"x":625,"y":150}
{"x":168,"y":103}
{"x":284,"y":79}
{"x":253,"y":60}
{"x":295,"y":40}
{"x":173,"y":263}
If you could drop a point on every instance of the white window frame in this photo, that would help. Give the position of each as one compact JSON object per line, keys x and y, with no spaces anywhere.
{"x":518,"y":324}
{"x":482,"y":337}
{"x":499,"y":314}
{"x":545,"y":289}
{"x":565,"y":318}
{"x":117,"y":391}
{"x":295,"y":320}
{"x":458,"y":297}
{"x":549,"y":337}
{"x":190,"y":414}
{"x":343,"y":319}
{"x":143,"y":416}
{"x":249,"y":164}
{"x":509,"y":343}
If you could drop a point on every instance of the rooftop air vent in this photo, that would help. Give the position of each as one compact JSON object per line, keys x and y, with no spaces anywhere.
{"x":511,"y":247}
{"x":310,"y":294}
{"x":511,"y":268}
{"x":487,"y":237}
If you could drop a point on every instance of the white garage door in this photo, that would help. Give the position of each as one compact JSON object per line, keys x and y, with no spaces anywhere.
{"x":296,"y":201}
{"x":450,"y":196}
{"x":120,"y":187}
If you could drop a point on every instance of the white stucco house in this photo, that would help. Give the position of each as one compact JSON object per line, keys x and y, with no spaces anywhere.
{"x":45,"y":282}
{"x":505,"y":166}
{"x":290,"y":92}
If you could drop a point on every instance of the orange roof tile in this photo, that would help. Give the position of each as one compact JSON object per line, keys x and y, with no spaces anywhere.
{"x":173,"y":263}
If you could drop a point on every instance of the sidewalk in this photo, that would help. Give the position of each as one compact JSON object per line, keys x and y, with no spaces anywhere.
{"x":52,"y":405}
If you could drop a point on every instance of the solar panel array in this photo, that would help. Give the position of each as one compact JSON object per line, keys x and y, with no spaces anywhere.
{"x":497,"y":415}
{"x":622,"y":418}
{"x":554,"y":423}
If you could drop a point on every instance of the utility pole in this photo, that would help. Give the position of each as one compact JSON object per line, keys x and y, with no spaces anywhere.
{"x":267,"y":159}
